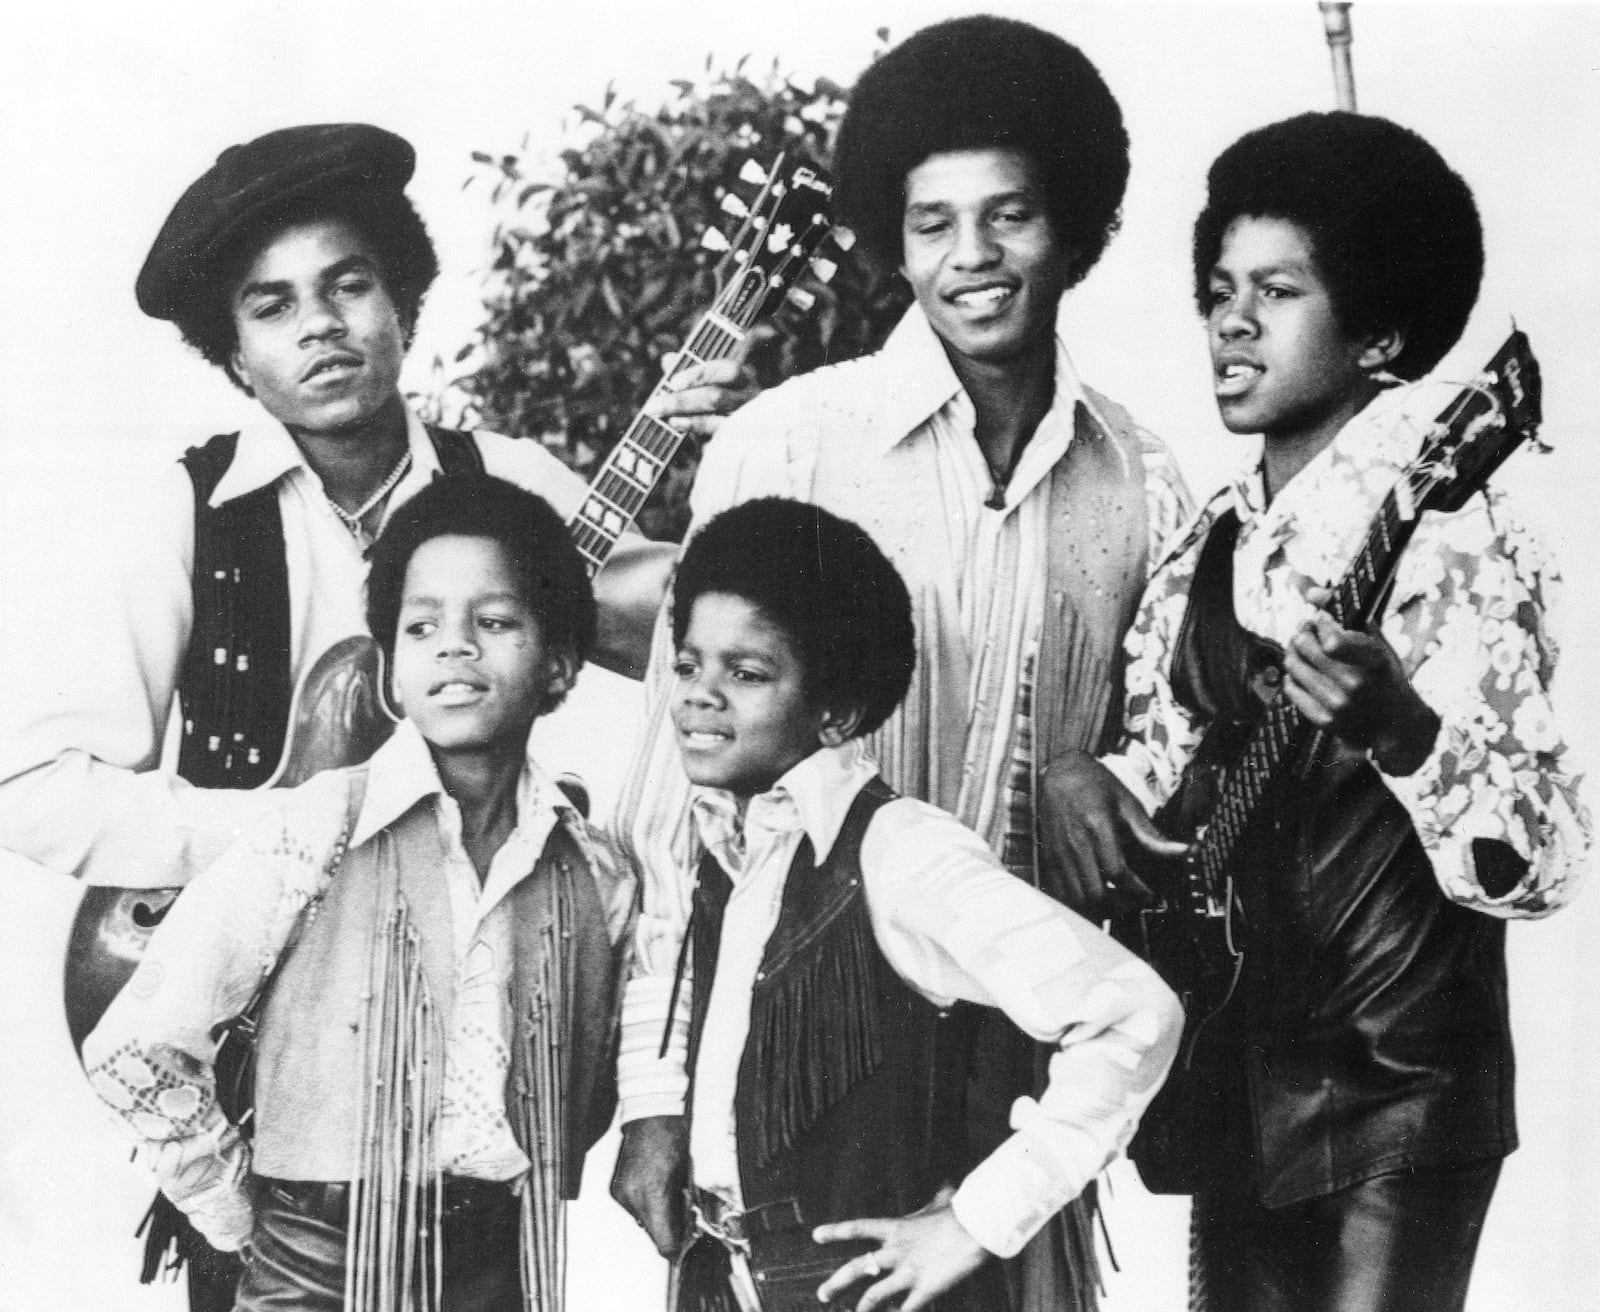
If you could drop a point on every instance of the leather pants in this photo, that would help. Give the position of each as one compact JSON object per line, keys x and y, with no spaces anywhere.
{"x":1399,"y":1242}
{"x":297,"y":1258}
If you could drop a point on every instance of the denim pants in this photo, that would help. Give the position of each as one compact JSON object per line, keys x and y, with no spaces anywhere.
{"x":297,"y":1258}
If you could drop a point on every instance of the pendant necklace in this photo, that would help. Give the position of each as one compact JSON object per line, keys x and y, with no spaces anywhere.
{"x":351,"y":519}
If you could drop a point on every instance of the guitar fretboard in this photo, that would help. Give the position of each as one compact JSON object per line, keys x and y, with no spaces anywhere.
{"x":636,"y":464}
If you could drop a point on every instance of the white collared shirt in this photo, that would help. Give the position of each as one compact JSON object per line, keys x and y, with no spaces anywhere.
{"x":475,"y":1137}
{"x":954,"y":924}
{"x":90,"y":653}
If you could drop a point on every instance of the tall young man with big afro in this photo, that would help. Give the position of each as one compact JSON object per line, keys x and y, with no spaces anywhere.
{"x":985,"y":160}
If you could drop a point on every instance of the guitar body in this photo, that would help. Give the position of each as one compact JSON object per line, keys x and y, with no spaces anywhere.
{"x":1193,"y":938}
{"x":339,"y":718}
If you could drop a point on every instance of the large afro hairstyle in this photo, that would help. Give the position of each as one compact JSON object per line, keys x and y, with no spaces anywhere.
{"x":1394,"y":231}
{"x":974,"y":84}
{"x":550,"y":573}
{"x":389,"y":225}
{"x":824,"y":583}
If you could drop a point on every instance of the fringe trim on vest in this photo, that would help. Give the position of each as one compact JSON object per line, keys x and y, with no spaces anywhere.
{"x":816,"y":1034}
{"x":395,"y":1208}
{"x":543,"y":1068}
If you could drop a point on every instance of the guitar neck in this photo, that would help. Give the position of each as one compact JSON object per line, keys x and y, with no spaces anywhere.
{"x":1283,"y":730}
{"x":642,"y":455}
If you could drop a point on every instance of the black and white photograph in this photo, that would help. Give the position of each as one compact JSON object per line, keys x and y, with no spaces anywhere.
{"x":887,"y":655}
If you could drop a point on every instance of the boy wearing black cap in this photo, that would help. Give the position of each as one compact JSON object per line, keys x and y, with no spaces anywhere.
{"x":1350,"y":1110}
{"x":298,"y":266}
{"x":986,"y":160}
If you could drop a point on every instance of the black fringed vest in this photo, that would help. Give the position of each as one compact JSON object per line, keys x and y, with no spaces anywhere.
{"x":844,"y":1100}
{"x":234,"y":687}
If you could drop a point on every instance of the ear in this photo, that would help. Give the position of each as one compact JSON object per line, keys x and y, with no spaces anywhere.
{"x":561,"y":672}
{"x":396,"y":702}
{"x":839,"y":726}
{"x":1381,"y":350}
{"x":241,"y":374}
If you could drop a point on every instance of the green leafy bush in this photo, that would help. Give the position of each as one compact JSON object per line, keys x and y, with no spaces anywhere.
{"x":597,"y":273}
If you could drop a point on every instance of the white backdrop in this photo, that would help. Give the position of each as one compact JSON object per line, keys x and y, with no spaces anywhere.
{"x":107,"y":112}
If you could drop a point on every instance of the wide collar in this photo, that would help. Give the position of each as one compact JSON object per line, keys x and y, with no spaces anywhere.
{"x":918,"y":382}
{"x":401,"y":774}
{"x":814,"y":796}
{"x":1323,"y":513}
{"x":266,"y":453}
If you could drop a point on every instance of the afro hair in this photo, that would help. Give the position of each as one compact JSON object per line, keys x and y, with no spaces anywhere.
{"x":387,"y":222}
{"x":550,"y":573}
{"x":975,"y":84}
{"x":821,"y":580}
{"x":1394,"y":231}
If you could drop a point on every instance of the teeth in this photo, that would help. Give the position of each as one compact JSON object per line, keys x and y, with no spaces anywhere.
{"x":988,"y":296}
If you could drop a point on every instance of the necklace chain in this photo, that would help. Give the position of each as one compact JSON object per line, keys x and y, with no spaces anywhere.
{"x":352,"y":518}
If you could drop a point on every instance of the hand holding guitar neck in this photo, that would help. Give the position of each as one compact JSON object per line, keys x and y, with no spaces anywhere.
{"x":1353,"y":685}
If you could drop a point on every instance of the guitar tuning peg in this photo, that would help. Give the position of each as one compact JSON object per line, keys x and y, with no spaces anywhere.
{"x":731,"y":204}
{"x":800,"y":298}
{"x":713,"y":240}
{"x":843,"y":238}
{"x":753,"y":174}
{"x":823,"y":267}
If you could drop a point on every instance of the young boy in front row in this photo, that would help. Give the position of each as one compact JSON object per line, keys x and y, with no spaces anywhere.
{"x":438,"y":935}
{"x":834,"y":926}
{"x":1358,"y":1097}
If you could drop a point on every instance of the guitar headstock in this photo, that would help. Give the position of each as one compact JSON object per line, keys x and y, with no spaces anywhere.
{"x":777,"y":242}
{"x":1477,"y":432}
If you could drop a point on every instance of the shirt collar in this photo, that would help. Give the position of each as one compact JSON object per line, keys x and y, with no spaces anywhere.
{"x":813,"y":796}
{"x":401,"y":774}
{"x":1373,"y":447}
{"x":919,"y":382}
{"x":266,"y":452}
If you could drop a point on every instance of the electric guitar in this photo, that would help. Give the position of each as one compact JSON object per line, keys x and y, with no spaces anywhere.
{"x":340,"y":714}
{"x":1194,"y":935}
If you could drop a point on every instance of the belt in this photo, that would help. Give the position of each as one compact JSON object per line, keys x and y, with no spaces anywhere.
{"x":719,"y":1219}
{"x":328,"y":1201}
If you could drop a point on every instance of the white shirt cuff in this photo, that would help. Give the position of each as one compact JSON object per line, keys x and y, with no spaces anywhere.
{"x":648,"y":1083}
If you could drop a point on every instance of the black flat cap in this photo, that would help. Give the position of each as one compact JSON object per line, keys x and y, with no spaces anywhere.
{"x":250,"y":182}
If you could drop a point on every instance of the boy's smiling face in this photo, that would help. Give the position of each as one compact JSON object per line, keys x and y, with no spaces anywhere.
{"x":1283,"y":366}
{"x":471,"y":668}
{"x":981,"y":253}
{"x":741,"y":707}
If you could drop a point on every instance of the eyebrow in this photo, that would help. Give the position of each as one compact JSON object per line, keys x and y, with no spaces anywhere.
{"x":1267,"y":270}
{"x":335,"y":271}
{"x":988,"y":202}
{"x":507,"y":595}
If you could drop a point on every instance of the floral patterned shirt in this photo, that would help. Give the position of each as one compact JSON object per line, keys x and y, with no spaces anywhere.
{"x":1468,"y":619}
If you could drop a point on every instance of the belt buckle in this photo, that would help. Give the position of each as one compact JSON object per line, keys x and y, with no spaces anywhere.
{"x":727,"y":1231}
